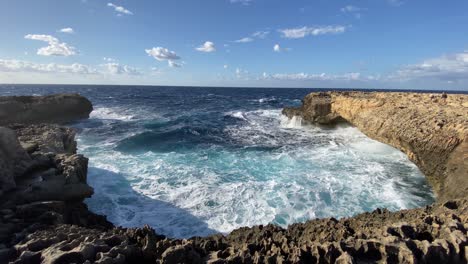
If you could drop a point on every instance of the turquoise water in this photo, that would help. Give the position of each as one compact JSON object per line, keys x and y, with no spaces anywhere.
{"x":196,"y":161}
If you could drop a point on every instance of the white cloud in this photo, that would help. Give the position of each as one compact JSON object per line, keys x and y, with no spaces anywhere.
{"x":162,"y":54}
{"x":350,"y":9}
{"x":244,"y":40}
{"x":55,"y":47}
{"x":353,"y":10}
{"x":208,"y":46}
{"x":243,"y":2}
{"x":260,"y":34}
{"x":26,"y":66}
{"x":174,"y":64}
{"x":352,"y":76}
{"x":277,"y":48}
{"x":295,"y":33}
{"x":253,"y":36}
{"x":446,"y":68}
{"x":117,"y":69}
{"x":225,"y":66}
{"x":120,"y":9}
{"x":67,"y":30}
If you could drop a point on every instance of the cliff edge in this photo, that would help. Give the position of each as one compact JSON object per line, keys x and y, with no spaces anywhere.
{"x":57,"y":108}
{"x":432,"y":129}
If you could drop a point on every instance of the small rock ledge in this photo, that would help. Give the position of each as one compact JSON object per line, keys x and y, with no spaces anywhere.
{"x":43,"y":219}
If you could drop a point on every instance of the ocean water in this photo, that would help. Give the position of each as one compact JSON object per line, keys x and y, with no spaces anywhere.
{"x":196,"y":161}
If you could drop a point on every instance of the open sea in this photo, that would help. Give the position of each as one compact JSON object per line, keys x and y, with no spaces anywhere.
{"x":193,"y":161}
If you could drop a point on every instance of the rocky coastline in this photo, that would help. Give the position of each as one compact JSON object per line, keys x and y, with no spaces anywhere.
{"x":43,"y":183}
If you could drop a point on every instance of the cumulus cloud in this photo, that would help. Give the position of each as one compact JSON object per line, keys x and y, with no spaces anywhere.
{"x":162,"y":54}
{"x":120,"y":9}
{"x":26,"y":66}
{"x":208,"y":46}
{"x":55,"y":47}
{"x":119,"y":69}
{"x":67,"y":30}
{"x":450,"y":68}
{"x":301,"y":32}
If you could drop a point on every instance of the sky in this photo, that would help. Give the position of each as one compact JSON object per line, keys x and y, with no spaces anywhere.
{"x":399,"y":44}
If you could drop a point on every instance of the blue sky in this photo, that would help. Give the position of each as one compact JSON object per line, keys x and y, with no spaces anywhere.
{"x":275,"y":43}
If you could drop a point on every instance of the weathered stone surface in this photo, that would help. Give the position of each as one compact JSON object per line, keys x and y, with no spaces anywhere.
{"x":431,"y":129}
{"x":46,"y":138}
{"x":43,"y":109}
{"x":44,"y":219}
{"x":14,"y":160}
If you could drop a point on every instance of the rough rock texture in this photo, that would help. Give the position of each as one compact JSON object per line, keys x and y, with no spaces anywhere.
{"x":43,"y":109}
{"x":43,"y":218}
{"x":14,"y":160}
{"x":435,"y":234}
{"x":432,"y":129}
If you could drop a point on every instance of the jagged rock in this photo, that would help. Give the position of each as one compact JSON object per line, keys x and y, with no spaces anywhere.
{"x":43,"y":109}
{"x":431,"y":129}
{"x":46,"y":138}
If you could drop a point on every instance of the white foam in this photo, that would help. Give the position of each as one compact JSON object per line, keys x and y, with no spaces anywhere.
{"x":266,"y":99}
{"x":236,"y":114}
{"x":109,"y":113}
{"x":312,"y":172}
{"x":294,"y":122}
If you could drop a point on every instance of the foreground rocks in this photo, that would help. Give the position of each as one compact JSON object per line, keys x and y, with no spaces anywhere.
{"x":436,"y":234}
{"x":432,"y":129}
{"x":43,"y":219}
{"x":59,"y":108}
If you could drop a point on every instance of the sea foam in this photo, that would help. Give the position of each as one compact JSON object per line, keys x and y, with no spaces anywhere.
{"x":186,"y":179}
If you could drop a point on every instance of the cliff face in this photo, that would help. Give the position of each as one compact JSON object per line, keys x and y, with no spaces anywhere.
{"x":43,"y":109}
{"x":431,"y":129}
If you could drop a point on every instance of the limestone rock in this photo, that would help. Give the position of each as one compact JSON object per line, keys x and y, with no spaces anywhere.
{"x":432,"y":129}
{"x":57,"y":108}
{"x":14,"y":160}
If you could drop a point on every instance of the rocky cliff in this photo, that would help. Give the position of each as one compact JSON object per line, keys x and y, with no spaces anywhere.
{"x":58,"y":108}
{"x":43,"y":220}
{"x":432,"y":129}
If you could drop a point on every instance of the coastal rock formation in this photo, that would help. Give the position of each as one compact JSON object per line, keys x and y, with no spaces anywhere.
{"x":431,"y":129}
{"x":436,"y":234}
{"x":43,"y":218}
{"x":59,"y":108}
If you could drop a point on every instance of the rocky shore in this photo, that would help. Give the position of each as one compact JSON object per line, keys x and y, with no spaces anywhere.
{"x":432,"y":129}
{"x":43,"y":185}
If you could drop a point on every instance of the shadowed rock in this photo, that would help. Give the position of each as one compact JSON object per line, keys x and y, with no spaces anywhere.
{"x":59,"y":108}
